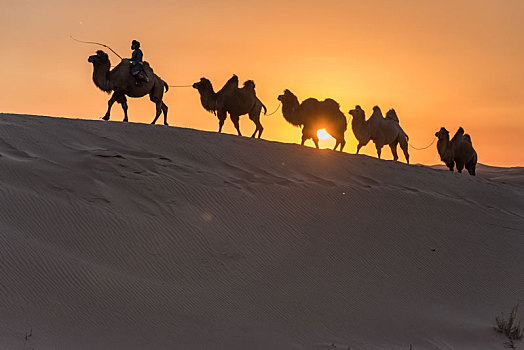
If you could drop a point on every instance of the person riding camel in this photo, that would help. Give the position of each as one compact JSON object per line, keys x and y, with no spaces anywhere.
{"x":137,"y":70}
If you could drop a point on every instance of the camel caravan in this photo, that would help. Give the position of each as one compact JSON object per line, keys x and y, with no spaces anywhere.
{"x":135,"y":78}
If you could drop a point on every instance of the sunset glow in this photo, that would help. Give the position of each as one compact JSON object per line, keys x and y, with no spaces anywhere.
{"x":443,"y":63}
{"x":323,"y":135}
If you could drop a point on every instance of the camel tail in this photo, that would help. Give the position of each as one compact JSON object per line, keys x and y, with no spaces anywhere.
{"x":166,"y":86}
{"x":407,"y":137}
{"x":263,"y":106}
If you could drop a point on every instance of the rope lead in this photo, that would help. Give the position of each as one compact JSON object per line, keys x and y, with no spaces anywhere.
{"x":423,"y":148}
{"x":276,"y":110}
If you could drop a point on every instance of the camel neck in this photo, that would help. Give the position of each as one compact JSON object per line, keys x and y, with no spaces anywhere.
{"x":289,"y":109}
{"x":208,"y":99}
{"x":360,"y":128}
{"x":101,"y":76}
{"x":444,"y":149}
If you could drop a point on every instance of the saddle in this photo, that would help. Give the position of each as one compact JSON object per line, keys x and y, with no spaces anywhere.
{"x":140,"y":74}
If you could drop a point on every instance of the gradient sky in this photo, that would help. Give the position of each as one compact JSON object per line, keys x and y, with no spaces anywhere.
{"x":438,"y":63}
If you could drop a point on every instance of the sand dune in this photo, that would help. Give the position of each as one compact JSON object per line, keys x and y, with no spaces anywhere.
{"x":131,"y":236}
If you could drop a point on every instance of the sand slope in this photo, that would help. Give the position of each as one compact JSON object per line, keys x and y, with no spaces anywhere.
{"x":130,"y":236}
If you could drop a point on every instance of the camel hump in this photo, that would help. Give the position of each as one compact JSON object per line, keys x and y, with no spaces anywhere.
{"x":376,"y":112}
{"x":310,"y":100}
{"x":331,"y":104}
{"x":232,"y":83}
{"x":392,"y":115}
{"x":458,"y":134}
{"x":249,"y":86}
{"x":249,"y":83}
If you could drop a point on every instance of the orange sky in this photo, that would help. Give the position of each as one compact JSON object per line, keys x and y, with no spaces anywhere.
{"x":438,"y":63}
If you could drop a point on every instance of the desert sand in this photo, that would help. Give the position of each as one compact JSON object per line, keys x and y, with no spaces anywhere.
{"x":132,"y":236}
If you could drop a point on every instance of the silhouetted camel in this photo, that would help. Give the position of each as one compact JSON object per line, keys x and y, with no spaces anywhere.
{"x":383,"y":131}
{"x":313,"y":115}
{"x":458,"y":151}
{"x":233,"y":100}
{"x":122,"y":83}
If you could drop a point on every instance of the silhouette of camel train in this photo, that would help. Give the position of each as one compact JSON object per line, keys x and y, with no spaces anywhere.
{"x":311,"y":114}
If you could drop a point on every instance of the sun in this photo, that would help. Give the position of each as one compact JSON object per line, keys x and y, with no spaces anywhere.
{"x":322,"y":134}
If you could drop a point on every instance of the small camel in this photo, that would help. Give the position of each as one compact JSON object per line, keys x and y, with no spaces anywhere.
{"x":120,"y":81}
{"x":458,"y":151}
{"x":233,"y":100}
{"x":313,"y":115}
{"x":383,"y":131}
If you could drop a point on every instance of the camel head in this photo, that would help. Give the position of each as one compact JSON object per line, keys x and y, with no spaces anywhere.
{"x":287,"y":96}
{"x":442,"y":134}
{"x":358,"y":113}
{"x":203,"y":85}
{"x":101,"y":58}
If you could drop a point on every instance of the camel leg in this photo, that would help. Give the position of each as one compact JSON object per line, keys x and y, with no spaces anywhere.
{"x":460,"y":166}
{"x":315,"y":140}
{"x":164,"y":110}
{"x":305,"y":135}
{"x":471,"y":168}
{"x":342,"y":144}
{"x":255,"y":117}
{"x":221,"y":115}
{"x":359,"y":146}
{"x":379,"y":150}
{"x":158,"y":111}
{"x":340,"y":141}
{"x":123,"y":102}
{"x":393,"y":147}
{"x":304,"y":138}
{"x":116,"y":95}
{"x":404,"y":147}
{"x":259,"y":128}
{"x":234,"y":119}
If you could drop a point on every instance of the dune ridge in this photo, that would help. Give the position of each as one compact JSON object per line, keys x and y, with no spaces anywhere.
{"x":131,"y":236}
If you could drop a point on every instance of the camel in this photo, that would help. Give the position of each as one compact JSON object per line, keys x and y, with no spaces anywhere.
{"x":120,"y":81}
{"x":313,"y":115}
{"x":233,"y":100}
{"x":383,"y":131}
{"x":458,"y":151}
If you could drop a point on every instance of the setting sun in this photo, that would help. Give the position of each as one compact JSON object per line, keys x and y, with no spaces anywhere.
{"x":323,"y":135}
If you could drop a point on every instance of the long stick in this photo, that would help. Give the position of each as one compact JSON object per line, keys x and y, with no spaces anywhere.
{"x":95,"y":43}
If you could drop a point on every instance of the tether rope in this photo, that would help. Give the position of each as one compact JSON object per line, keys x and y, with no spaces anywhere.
{"x":423,"y":148}
{"x":276,"y":110}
